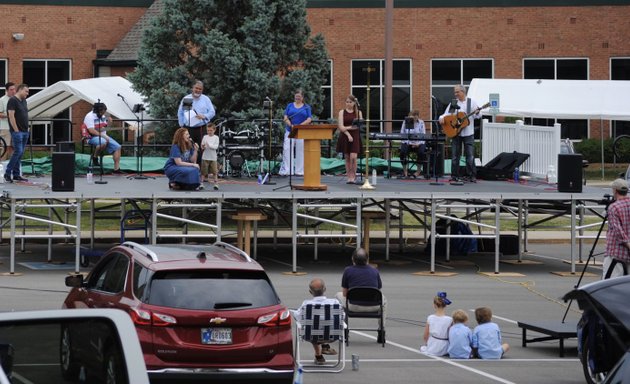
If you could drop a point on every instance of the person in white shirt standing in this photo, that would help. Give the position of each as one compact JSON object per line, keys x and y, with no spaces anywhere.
{"x":5,"y":132}
{"x":209,"y":145}
{"x":466,"y":136}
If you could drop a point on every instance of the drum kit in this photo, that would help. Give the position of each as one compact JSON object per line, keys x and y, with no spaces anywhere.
{"x":244,"y":143}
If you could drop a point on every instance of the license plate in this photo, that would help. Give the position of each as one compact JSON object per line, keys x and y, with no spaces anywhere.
{"x":216,"y":335}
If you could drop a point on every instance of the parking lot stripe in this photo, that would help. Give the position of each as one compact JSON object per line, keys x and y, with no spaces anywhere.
{"x":447,"y":361}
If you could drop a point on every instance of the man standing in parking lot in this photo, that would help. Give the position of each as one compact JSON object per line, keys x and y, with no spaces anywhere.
{"x":618,"y":235}
{"x":5,"y":132}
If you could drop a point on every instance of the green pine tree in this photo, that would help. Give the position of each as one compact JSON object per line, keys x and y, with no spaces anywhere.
{"x":243,"y":51}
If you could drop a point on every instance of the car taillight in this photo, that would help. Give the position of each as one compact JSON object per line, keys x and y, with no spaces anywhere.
{"x":160,"y":320}
{"x":142,"y":317}
{"x":281,"y":318}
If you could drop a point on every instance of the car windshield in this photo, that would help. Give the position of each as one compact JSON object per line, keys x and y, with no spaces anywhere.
{"x":204,"y":290}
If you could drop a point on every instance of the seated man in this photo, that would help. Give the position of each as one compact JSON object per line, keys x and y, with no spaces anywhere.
{"x":361,"y":274}
{"x":317,"y":288}
{"x":96,"y":121}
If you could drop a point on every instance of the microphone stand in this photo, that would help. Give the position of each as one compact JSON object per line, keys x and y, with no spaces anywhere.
{"x":269,"y":182}
{"x":139,"y":139}
{"x":100,"y":154}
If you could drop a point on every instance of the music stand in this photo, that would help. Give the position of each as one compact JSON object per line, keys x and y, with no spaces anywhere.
{"x":139,"y":108}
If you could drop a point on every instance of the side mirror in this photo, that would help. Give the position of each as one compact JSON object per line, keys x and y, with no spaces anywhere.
{"x":70,"y":345}
{"x":74,"y":281}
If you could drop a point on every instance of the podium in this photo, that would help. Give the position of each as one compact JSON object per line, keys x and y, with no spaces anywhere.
{"x":312,"y":135}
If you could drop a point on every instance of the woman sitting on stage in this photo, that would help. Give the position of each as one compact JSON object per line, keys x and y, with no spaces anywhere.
{"x":349,"y":142}
{"x":181,"y":168}
{"x":412,"y":125}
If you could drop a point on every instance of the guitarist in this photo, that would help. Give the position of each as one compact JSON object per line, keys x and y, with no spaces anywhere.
{"x":466,"y":137}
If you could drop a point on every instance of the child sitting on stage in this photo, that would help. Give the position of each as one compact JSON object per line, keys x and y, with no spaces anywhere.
{"x":486,"y":340}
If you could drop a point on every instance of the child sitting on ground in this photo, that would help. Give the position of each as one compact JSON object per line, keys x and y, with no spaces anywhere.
{"x":209,"y":145}
{"x":486,"y":340}
{"x":459,"y":337}
{"x":436,"y":331}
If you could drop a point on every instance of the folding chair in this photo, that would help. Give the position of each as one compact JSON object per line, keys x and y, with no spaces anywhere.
{"x":366,"y":297}
{"x":323,"y":324}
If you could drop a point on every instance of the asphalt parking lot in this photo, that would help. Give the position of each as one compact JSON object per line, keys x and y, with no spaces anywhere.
{"x":535,"y":295}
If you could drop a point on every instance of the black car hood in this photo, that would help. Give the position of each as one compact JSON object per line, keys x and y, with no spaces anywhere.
{"x":612,"y":294}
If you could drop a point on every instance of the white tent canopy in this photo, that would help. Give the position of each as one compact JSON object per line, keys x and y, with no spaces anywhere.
{"x":52,"y":100}
{"x":561,"y":99}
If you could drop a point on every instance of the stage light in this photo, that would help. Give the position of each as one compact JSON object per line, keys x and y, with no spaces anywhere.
{"x":18,"y":36}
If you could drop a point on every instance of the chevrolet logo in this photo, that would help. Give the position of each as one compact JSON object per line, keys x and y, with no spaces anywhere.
{"x":217,"y":320}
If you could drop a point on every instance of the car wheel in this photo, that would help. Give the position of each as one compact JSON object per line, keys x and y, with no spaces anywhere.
{"x":69,"y":367}
{"x":113,"y":367}
{"x":587,"y":365}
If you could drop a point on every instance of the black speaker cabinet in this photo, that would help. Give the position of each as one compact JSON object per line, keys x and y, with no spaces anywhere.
{"x":570,"y":172}
{"x":63,"y":171}
{"x":65,"y":146}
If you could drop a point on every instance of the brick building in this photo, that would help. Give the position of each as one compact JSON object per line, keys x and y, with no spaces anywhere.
{"x":435,"y":46}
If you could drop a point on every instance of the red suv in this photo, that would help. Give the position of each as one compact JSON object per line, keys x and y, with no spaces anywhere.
{"x":200,"y":312}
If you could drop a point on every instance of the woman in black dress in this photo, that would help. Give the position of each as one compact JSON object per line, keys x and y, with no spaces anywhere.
{"x":349,"y":142}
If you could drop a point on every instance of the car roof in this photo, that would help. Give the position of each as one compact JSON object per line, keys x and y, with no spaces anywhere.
{"x":177,"y":256}
{"x":612,"y":294}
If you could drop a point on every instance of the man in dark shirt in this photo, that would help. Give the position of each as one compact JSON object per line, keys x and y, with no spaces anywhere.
{"x":361,"y":274}
{"x":17,"y":112}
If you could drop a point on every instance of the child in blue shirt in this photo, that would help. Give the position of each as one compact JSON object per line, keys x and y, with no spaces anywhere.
{"x":459,"y":337}
{"x":486,"y":340}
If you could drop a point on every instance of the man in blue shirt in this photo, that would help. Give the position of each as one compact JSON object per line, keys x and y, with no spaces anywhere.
{"x":361,"y":274}
{"x":195,"y":111}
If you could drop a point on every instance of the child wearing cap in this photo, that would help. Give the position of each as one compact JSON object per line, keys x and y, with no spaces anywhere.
{"x":459,"y":337}
{"x":486,"y":339}
{"x":436,"y":330}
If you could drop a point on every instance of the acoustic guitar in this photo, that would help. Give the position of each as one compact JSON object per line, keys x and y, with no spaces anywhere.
{"x":455,"y":122}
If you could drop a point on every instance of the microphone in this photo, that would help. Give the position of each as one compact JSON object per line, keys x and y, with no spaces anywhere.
{"x":454,"y":104}
{"x":267,"y":98}
{"x":121,"y":96}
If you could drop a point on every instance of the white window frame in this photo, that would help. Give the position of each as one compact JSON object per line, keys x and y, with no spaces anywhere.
{"x":381,"y":85}
{"x":461,"y":74}
{"x":47,"y":126}
{"x":555,"y":77}
{"x":6,"y":75}
{"x":610,"y":61}
{"x":331,"y":90}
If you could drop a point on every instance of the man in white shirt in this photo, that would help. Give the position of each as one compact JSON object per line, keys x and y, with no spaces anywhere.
{"x":5,"y":132}
{"x":466,"y":136}
{"x":317,"y":288}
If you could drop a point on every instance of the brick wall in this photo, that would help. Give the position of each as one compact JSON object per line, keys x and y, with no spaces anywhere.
{"x":508,"y":35}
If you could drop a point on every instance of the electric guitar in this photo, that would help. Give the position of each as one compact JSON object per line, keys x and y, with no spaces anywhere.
{"x":455,"y":122}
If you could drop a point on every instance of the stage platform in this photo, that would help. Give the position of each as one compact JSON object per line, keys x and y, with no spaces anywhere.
{"x":288,"y":208}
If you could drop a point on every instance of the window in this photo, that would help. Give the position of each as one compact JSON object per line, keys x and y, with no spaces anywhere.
{"x":559,"y":69}
{"x":446,"y":73}
{"x":372,"y":73}
{"x":620,"y":70}
{"x":111,"y":276}
{"x":39,"y":74}
{"x":3,"y":76}
{"x":327,"y":112}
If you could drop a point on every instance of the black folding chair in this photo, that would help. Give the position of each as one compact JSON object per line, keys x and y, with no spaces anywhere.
{"x":366,"y":297}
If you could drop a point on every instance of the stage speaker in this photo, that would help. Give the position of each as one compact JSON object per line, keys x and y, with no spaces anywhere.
{"x":63,"y":171}
{"x":65,"y":146}
{"x":570,"y":172}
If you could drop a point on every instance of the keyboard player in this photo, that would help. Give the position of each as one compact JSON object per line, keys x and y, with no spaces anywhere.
{"x":412,"y":125}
